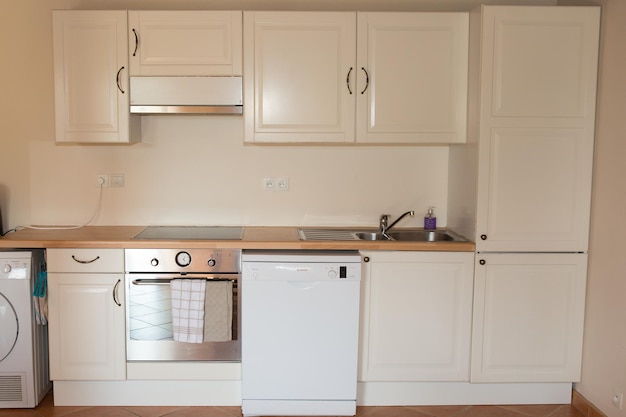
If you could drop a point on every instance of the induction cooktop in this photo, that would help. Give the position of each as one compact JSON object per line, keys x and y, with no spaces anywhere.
{"x":191,"y":233}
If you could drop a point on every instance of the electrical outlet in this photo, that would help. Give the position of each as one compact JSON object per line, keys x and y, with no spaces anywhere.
{"x":282,"y":184}
{"x":276,"y":184}
{"x":102,"y":180}
{"x":618,"y":400}
{"x":269,"y":183}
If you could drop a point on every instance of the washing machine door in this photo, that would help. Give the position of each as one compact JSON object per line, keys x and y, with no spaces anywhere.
{"x":9,"y":325}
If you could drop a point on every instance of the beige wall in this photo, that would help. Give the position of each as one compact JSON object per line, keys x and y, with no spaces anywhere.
{"x":194,"y":170}
{"x":604,"y":351}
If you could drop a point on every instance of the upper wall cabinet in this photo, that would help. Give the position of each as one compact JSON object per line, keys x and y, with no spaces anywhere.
{"x":91,"y":77}
{"x":299,"y":76}
{"x":305,"y":83}
{"x":413,"y":77}
{"x":190,"y":43}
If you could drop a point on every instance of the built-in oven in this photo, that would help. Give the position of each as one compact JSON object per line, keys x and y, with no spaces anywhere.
{"x":165,"y":289}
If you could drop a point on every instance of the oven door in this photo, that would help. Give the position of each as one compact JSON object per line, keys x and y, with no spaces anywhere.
{"x":149,"y":324}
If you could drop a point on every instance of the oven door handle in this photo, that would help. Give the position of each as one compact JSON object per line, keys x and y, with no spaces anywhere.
{"x":166,"y":281}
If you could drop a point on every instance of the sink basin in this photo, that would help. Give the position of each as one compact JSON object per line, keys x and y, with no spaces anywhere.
{"x":412,"y":236}
{"x":397,"y":235}
{"x":423,"y":236}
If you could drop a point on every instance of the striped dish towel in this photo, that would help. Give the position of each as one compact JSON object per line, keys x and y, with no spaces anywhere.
{"x":188,"y":309}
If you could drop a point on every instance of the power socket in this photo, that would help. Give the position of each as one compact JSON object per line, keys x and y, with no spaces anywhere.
{"x":276,"y":184}
{"x":618,"y":400}
{"x":102,"y":180}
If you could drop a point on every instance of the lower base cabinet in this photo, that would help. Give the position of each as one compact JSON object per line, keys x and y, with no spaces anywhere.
{"x":86,"y":315}
{"x":416,"y":316}
{"x":528,"y":317}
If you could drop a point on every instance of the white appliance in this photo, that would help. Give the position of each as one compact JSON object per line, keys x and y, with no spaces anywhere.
{"x":300,"y":327}
{"x":24,"y":378}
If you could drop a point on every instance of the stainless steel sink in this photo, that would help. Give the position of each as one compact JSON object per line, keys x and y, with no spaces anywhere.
{"x":396,"y":235}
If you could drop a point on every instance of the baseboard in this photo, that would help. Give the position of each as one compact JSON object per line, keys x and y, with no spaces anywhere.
{"x":586,"y":408}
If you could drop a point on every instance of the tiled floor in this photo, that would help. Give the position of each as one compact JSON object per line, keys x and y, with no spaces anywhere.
{"x":47,"y":409}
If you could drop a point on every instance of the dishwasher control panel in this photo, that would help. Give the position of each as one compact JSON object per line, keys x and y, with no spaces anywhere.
{"x":301,"y":266}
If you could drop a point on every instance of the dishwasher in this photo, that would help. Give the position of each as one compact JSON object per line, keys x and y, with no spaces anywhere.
{"x":300,"y":327}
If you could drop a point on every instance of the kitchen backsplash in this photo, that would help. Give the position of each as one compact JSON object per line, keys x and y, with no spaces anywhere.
{"x":197,"y":170}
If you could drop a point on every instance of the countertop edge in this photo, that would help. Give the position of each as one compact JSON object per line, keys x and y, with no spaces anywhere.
{"x":254,"y":237}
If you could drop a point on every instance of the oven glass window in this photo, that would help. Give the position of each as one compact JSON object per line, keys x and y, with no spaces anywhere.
{"x":150,"y":310}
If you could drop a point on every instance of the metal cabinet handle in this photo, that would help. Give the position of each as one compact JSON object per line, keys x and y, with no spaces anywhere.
{"x":136,"y":41}
{"x":482,"y":262}
{"x":85,"y":262}
{"x":115,"y":292}
{"x":483,"y":237}
{"x":367,"y":80}
{"x":366,"y":259}
{"x":117,"y":79}
{"x":348,"y":80}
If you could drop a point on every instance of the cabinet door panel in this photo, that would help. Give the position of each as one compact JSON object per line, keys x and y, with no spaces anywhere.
{"x":543,"y":62}
{"x":177,"y":42}
{"x":416,"y":67}
{"x":91,"y":77}
{"x":416,"y":317}
{"x":539,"y":190}
{"x":297,"y":74}
{"x":528,"y":317}
{"x":86,"y":326}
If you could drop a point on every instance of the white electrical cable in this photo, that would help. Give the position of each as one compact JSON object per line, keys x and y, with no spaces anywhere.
{"x":95,"y":213}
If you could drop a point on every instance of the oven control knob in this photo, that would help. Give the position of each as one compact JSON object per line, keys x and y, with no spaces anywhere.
{"x":7,"y":268}
{"x":154,"y":262}
{"x":211,"y":262}
{"x":183,"y":259}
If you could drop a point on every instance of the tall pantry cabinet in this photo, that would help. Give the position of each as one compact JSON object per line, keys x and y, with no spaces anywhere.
{"x":521,"y":188}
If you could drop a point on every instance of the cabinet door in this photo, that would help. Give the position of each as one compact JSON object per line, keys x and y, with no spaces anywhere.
{"x":538,"y":84}
{"x":416,"y":316}
{"x":91,"y":77}
{"x":86,"y":326}
{"x":299,"y":76}
{"x":528,"y":317}
{"x":195,"y":42}
{"x":412,"y":70}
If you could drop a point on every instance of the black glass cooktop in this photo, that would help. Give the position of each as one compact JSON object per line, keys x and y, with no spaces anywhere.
{"x":191,"y":233}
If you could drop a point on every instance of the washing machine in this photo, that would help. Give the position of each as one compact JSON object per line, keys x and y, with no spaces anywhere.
{"x":24,"y":376}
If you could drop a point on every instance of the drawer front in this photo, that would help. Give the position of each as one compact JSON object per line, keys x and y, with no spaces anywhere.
{"x":85,"y":260}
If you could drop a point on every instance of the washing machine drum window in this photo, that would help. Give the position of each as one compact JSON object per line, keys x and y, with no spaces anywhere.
{"x":9,"y":326}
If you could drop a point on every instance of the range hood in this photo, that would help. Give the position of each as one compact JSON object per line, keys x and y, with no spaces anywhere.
{"x":186,"y":95}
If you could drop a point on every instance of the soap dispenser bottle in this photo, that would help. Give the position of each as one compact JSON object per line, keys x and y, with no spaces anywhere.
{"x":430,"y":221}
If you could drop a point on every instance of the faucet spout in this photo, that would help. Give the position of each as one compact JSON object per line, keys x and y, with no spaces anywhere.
{"x":385,"y":226}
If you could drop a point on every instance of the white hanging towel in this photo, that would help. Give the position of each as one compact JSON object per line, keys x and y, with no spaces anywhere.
{"x":188,"y":297}
{"x":218,"y":311}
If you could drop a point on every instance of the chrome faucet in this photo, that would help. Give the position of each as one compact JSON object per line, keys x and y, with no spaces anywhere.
{"x":385,"y":226}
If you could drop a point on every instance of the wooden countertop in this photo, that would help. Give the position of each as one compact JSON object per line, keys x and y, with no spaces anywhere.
{"x":254,"y":237}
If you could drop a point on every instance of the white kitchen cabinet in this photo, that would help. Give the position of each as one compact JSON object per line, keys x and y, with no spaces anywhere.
{"x":91,"y":78}
{"x":305,"y":83}
{"x":535,"y":127}
{"x":528,"y":317}
{"x":185,"y":42}
{"x":298,"y":71}
{"x":412,"y":70}
{"x":416,"y":316}
{"x":86,"y":314}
